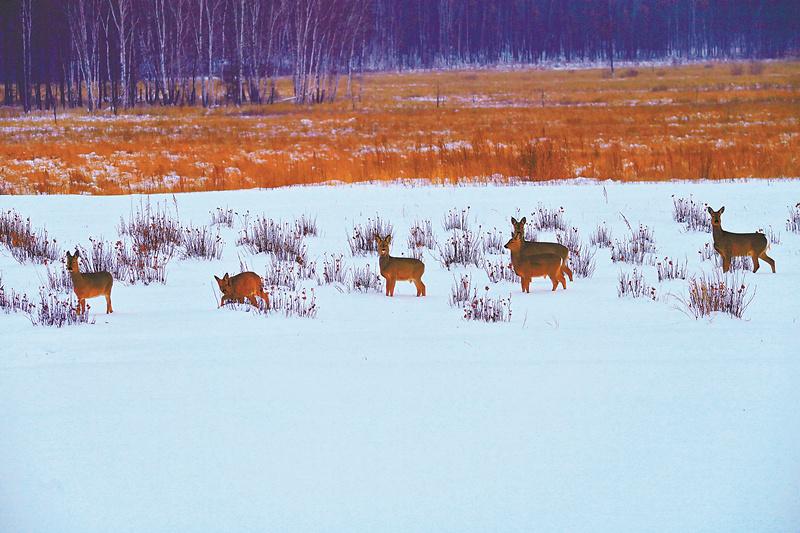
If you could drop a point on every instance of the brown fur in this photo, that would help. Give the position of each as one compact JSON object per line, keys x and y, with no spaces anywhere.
{"x":531,"y":266}
{"x":399,"y":268}
{"x":245,"y":285}
{"x":530,"y":248}
{"x":729,"y":244}
{"x":89,"y":285}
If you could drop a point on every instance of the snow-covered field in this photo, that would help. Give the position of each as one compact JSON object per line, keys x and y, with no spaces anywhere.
{"x":586,"y":412}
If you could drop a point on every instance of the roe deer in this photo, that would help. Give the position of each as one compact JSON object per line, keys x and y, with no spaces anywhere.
{"x":530,"y":248}
{"x":245,"y":285}
{"x":88,"y":285}
{"x":399,"y":268}
{"x":530,"y":266}
{"x":729,"y":244}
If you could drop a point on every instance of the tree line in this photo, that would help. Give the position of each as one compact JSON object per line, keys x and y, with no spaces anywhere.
{"x":121,"y":53}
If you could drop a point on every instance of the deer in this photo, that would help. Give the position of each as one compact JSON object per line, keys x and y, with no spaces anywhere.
{"x":729,"y":244}
{"x":395,"y":269}
{"x":530,"y":248}
{"x":90,"y":284}
{"x":530,"y":266}
{"x":246,"y":285}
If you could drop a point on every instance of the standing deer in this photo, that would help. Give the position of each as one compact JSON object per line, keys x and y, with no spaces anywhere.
{"x":529,"y":248}
{"x":88,"y":285}
{"x":399,"y":268}
{"x":729,"y":244}
{"x":531,"y":266}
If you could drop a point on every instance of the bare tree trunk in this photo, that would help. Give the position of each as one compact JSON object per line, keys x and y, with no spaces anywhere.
{"x":25,"y":16}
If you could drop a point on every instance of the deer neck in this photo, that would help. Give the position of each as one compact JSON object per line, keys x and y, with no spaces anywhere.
{"x":717,"y":232}
{"x":384,"y":261}
{"x":76,"y":277}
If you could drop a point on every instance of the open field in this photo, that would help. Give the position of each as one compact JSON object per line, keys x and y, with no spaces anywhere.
{"x":586,"y":411}
{"x":647,"y":123}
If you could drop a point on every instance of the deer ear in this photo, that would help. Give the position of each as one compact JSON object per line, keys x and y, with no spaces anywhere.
{"x":388,"y":239}
{"x":377,"y":238}
{"x":226,"y":277}
{"x":524,"y":220}
{"x":722,"y":210}
{"x":69,"y":255}
{"x":710,"y":211}
{"x":77,"y":253}
{"x":514,"y":221}
{"x":216,"y":278}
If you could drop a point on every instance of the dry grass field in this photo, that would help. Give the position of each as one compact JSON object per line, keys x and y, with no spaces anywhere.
{"x":712,"y":121}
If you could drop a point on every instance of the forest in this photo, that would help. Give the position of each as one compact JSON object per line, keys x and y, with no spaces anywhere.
{"x":124,"y":53}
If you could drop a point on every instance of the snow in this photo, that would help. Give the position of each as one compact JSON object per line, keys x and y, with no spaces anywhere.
{"x":586,"y":412}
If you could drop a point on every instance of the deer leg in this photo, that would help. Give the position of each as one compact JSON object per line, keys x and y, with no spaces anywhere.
{"x":252,"y":300}
{"x":726,"y":263}
{"x":771,"y":262}
{"x":420,"y":287}
{"x":554,"y":279}
{"x":390,"y":287}
{"x":754,"y":257}
{"x":109,"y":310}
{"x":563,"y":279}
{"x":264,"y":296}
{"x":566,"y":268}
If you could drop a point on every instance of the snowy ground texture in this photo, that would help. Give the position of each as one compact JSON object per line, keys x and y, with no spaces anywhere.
{"x":586,"y":412}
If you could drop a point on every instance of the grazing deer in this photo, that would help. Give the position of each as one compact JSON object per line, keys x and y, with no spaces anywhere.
{"x":399,"y":268}
{"x":88,"y":285}
{"x":530,"y":248}
{"x":531,"y":266}
{"x":245,"y":285}
{"x":729,"y":244}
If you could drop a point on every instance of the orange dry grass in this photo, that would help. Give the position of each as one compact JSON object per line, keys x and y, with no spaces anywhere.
{"x":659,"y":123}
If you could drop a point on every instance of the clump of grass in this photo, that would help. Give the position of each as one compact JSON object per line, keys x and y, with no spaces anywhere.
{"x":569,"y":238}
{"x":456,"y":219}
{"x":420,"y":237}
{"x":499,"y":270}
{"x":222,"y":217}
{"x":333,"y":269}
{"x":793,"y":222}
{"x":281,"y":274}
{"x":25,"y":244}
{"x":56,"y":311}
{"x":713,"y":293}
{"x":301,"y":304}
{"x":601,"y":236}
{"x":773,"y":237}
{"x":486,"y":308}
{"x":636,"y":247}
{"x":306,"y":225}
{"x":364,"y":280}
{"x":58,"y":279}
{"x":632,"y":284}
{"x":461,"y":290}
{"x":707,"y":252}
{"x":279,"y":239}
{"x":493,"y":242}
{"x":362,"y":239}
{"x":548,"y":219}
{"x":152,"y":230}
{"x":582,"y":261}
{"x":12,"y":301}
{"x":199,"y":243}
{"x":693,"y":215}
{"x":462,"y":247}
{"x":671,"y":269}
{"x":737,"y":263}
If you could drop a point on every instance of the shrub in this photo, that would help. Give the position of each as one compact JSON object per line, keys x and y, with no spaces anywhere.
{"x":635,"y":248}
{"x":306,"y":225}
{"x":582,"y":261}
{"x":279,"y":239}
{"x":365,"y":280}
{"x":462,"y":248}
{"x":420,"y":236}
{"x":693,"y":215}
{"x":222,"y":217}
{"x":669,"y":269}
{"x":493,"y":242}
{"x":455,"y":219}
{"x":710,"y":293}
{"x":14,"y":302}
{"x":25,"y":244}
{"x":500,"y":270}
{"x":333,"y":269}
{"x":57,"y":311}
{"x":461,"y":290}
{"x":707,"y":252}
{"x":488,"y":309}
{"x":199,"y":243}
{"x":601,"y":237}
{"x":152,"y":230}
{"x":545,"y":218}
{"x":633,"y":285}
{"x":294,"y":304}
{"x":793,"y":222}
{"x":58,"y":279}
{"x":362,"y":240}
{"x":569,"y":238}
